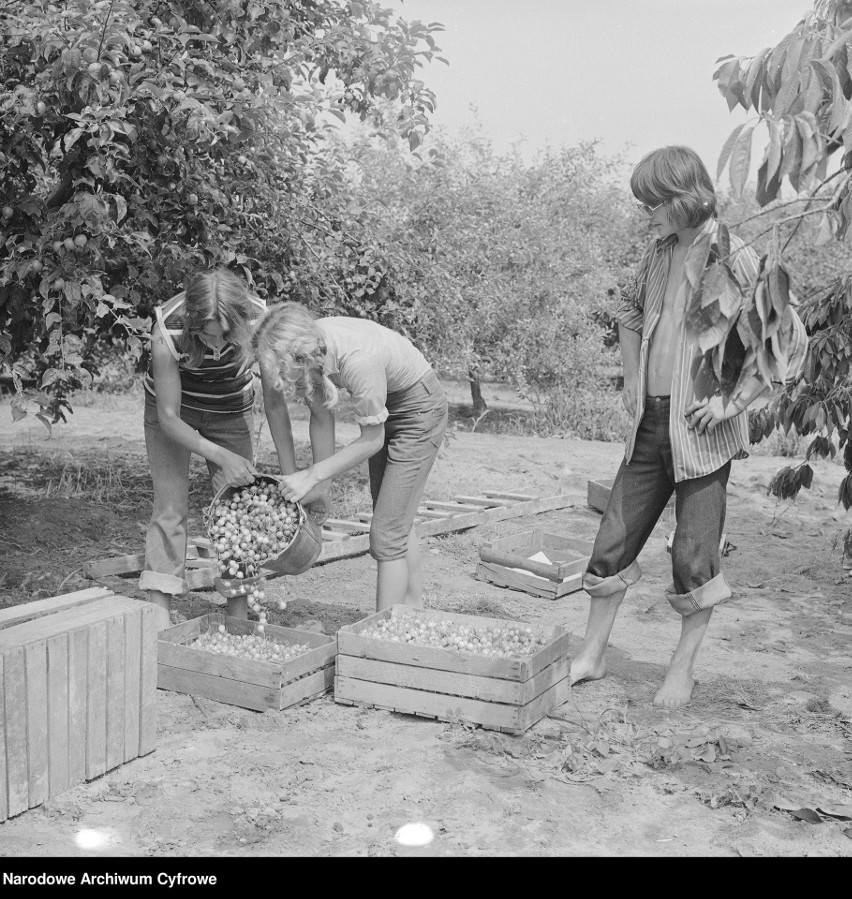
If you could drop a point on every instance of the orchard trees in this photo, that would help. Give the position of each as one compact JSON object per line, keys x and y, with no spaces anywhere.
{"x":506,"y":260}
{"x":799,"y":92}
{"x":141,"y":140}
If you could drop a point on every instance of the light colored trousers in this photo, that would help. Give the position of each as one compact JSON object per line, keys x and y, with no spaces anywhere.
{"x":165,"y":545}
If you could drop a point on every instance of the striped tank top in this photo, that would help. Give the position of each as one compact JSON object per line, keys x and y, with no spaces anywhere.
{"x":223,"y":382}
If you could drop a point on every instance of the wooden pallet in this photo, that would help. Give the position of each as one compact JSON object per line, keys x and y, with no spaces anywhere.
{"x":510,"y":562}
{"x":244,"y":682}
{"x":343,"y":538}
{"x":505,"y":694}
{"x":77,"y":692}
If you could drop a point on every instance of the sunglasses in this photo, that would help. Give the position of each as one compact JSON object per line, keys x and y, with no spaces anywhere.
{"x":650,"y":210}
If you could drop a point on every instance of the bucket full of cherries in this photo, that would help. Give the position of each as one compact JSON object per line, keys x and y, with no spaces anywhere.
{"x":255,"y":527}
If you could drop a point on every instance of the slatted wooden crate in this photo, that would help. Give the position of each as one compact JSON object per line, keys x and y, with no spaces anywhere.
{"x":343,"y":538}
{"x":505,"y":694}
{"x":536,"y":561}
{"x":244,"y":682}
{"x":597,"y":496}
{"x":78,"y":683}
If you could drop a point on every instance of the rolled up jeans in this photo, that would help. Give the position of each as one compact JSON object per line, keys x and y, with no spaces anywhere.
{"x":640,"y":492}
{"x":165,"y":544}
{"x":414,"y":430}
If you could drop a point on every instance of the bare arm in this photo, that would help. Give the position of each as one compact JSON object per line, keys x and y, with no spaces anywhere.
{"x":236,"y":469}
{"x":631,"y":342}
{"x":278,"y":417}
{"x":314,"y":482}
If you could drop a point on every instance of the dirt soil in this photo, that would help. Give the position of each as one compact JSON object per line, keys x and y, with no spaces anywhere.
{"x":765,"y":743}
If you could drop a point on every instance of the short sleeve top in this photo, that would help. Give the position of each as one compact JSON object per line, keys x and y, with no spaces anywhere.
{"x":371,"y":362}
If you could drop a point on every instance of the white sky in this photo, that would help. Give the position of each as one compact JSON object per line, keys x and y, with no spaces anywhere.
{"x":636,"y":74}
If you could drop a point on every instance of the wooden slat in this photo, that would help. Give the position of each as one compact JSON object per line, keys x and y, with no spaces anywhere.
{"x":17,"y":774}
{"x":118,"y":565}
{"x":78,"y":662}
{"x":203,"y":662}
{"x":328,"y":534}
{"x":478,"y":501}
{"x":29,"y":611}
{"x":132,"y":680}
{"x":351,"y":642}
{"x":515,"y":497}
{"x":48,"y":626}
{"x":487,"y":689}
{"x":35,"y":657}
{"x":518,"y":580}
{"x":452,"y":506}
{"x":421,"y":702}
{"x":57,"y":705}
{"x":200,"y":564}
{"x":186,"y":630}
{"x":200,"y":578}
{"x":544,"y":704}
{"x":148,"y":682}
{"x":4,"y":804}
{"x":309,"y":687}
{"x":219,"y":689}
{"x":96,"y":694}
{"x":115,"y":687}
{"x":423,"y":512}
{"x":344,"y":524}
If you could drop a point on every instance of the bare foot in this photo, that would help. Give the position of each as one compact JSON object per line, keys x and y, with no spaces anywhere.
{"x":587,"y":668}
{"x":676,"y":690}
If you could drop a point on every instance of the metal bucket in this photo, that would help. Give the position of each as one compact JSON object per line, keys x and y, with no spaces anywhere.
{"x":302,"y":550}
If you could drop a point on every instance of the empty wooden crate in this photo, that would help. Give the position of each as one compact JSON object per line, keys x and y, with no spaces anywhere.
{"x":499,"y":693}
{"x":536,"y":561}
{"x":249,"y":683}
{"x":78,"y":684}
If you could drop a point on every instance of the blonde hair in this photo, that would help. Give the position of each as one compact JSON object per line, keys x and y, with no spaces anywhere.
{"x":220,"y":296}
{"x":676,"y":176}
{"x":291,"y":349}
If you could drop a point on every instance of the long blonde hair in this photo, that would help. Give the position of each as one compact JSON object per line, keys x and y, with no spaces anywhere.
{"x":291,"y":349}
{"x":217,"y":295}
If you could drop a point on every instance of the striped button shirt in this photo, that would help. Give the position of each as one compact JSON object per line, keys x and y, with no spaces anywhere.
{"x":694,"y":455}
{"x":223,"y":383}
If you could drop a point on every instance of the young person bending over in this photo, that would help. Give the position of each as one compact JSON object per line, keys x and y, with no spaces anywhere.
{"x":198,"y":399}
{"x":680,"y":441}
{"x":399,"y":406}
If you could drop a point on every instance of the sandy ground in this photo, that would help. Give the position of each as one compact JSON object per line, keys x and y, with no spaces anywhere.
{"x":606,"y":774}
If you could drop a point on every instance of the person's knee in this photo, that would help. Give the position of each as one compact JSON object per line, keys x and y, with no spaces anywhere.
{"x":388,"y":544}
{"x":694,"y":562}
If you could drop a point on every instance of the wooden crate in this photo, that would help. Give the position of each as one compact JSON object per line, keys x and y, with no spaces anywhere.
{"x":502,"y":694}
{"x":77,"y":692}
{"x":244,"y":682}
{"x":510,"y":562}
{"x":597,"y":496}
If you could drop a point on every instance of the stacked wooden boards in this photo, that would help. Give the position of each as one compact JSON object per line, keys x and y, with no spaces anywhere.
{"x":536,"y":561}
{"x":343,"y":538}
{"x":78,"y":680}
{"x":498,"y":693}
{"x":252,"y":684}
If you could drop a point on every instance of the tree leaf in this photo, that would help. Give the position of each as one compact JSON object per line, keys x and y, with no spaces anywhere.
{"x":741,"y":160}
{"x":727,"y":147}
{"x":773,"y":149}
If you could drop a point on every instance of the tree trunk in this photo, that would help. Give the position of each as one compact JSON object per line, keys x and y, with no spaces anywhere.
{"x":479,"y":404}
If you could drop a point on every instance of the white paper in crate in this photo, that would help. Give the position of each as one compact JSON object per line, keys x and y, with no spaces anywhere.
{"x":538,"y":557}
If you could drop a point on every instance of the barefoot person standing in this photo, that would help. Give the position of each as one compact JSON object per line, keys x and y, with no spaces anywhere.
{"x":198,"y":399}
{"x":678,"y":443}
